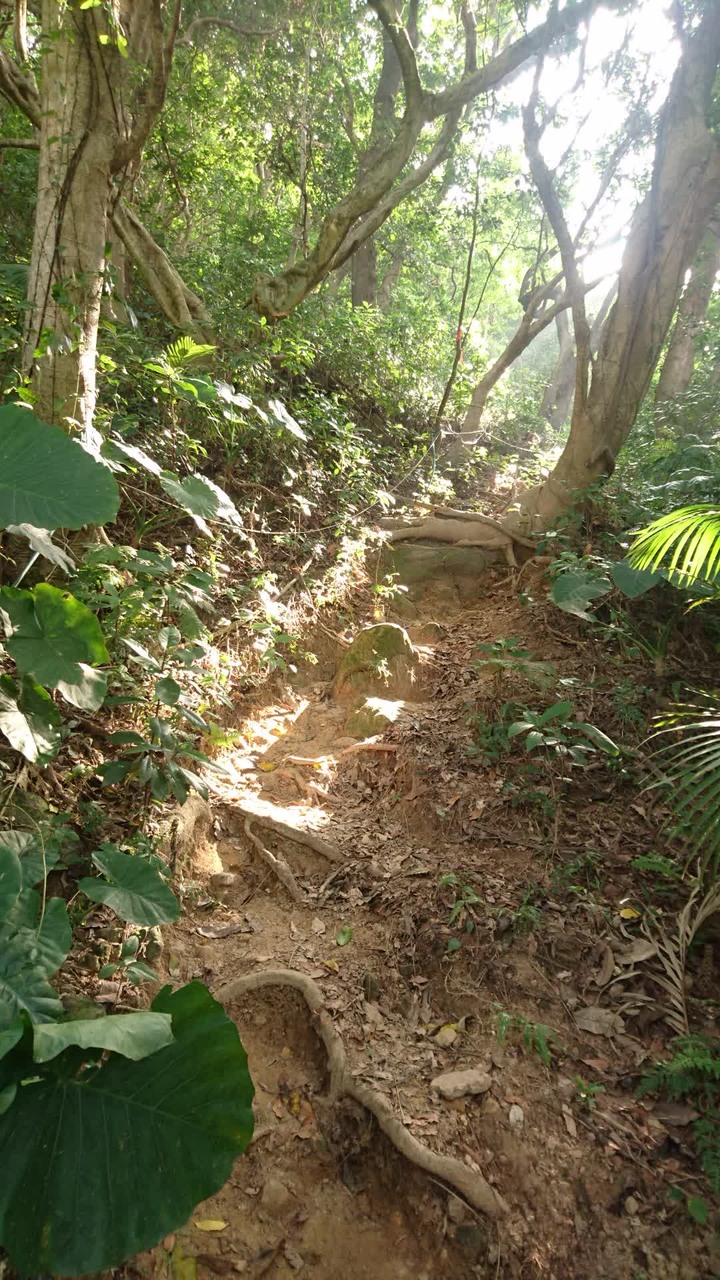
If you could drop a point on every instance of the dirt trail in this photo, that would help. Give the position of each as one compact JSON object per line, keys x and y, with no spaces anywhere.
{"x":322,"y":1193}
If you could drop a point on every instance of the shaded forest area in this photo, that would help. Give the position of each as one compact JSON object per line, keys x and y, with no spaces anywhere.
{"x":359,"y":635}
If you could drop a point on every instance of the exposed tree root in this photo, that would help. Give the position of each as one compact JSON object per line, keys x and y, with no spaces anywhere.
{"x":278,"y":865}
{"x":471,"y":1185}
{"x":464,"y":528}
{"x":307,"y":838}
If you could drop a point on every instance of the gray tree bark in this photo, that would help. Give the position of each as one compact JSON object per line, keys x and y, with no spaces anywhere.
{"x":87,"y":137}
{"x":664,"y":238}
{"x":679,"y":362}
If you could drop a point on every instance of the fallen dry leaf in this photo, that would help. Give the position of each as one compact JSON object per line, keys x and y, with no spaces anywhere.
{"x":599,"y":1021}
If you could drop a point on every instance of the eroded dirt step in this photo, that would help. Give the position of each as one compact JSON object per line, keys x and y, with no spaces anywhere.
{"x":372,"y":933}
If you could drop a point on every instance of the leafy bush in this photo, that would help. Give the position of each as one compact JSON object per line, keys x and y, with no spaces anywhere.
{"x":125,"y":1121}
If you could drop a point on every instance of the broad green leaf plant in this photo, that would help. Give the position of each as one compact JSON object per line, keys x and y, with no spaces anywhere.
{"x":112,"y":1127}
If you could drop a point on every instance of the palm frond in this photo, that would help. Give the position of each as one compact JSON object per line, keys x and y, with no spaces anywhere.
{"x":690,"y":767}
{"x":685,"y":542}
{"x":668,"y":967}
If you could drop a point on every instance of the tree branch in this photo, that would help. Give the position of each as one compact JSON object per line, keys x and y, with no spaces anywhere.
{"x":19,"y":89}
{"x":25,"y":144}
{"x":162,"y":53}
{"x":198,"y":24}
{"x":405,"y":54}
{"x":512,"y":57}
{"x":545,"y":185}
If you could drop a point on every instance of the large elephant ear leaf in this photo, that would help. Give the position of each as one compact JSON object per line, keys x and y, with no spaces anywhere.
{"x":51,"y":634}
{"x":138,"y":893}
{"x":573,"y":591}
{"x":29,"y":719}
{"x":123,"y":1153}
{"x":47,"y":479}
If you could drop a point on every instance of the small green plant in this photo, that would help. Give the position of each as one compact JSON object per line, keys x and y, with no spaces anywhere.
{"x":508,"y":657}
{"x":462,"y":913}
{"x":656,"y":864}
{"x":579,"y":874}
{"x":627,"y":698}
{"x":534,"y":1037}
{"x":696,"y":1207}
{"x":527,"y":917}
{"x":588,"y":1092}
{"x":692,"y":1075}
{"x":490,"y":737}
{"x":558,"y":733}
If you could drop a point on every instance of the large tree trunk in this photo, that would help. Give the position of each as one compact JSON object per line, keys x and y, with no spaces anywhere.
{"x":87,"y":136}
{"x":78,"y":133}
{"x":364,"y":260}
{"x":679,"y":362}
{"x":666,"y":232}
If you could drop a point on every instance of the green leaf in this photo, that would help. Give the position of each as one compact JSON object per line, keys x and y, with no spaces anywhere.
{"x":138,"y":893}
{"x":698,"y":1209}
{"x":686,"y":542}
{"x":23,"y":987}
{"x":9,"y":1037}
{"x":88,"y":692}
{"x":47,"y":479}
{"x":10,"y":880}
{"x":36,"y":857}
{"x":167,"y":691}
{"x":454,"y":944}
{"x":30,"y":720}
{"x":137,"y":971}
{"x":600,"y":739}
{"x":573,"y":591}
{"x":134,"y":1035}
{"x":201,"y":498}
{"x":41,"y":541}
{"x":634,"y":582}
{"x":344,"y":935}
{"x":116,"y":448}
{"x":51,"y":634}
{"x":558,"y":711}
{"x":123,"y":1154}
{"x":534,"y":739}
{"x":45,"y":934}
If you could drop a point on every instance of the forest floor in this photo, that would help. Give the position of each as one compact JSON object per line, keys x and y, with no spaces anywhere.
{"x":532,"y":913}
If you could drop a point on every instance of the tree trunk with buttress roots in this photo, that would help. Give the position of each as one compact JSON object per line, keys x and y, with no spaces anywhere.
{"x":87,"y":137}
{"x":677,"y":369}
{"x":664,"y":238}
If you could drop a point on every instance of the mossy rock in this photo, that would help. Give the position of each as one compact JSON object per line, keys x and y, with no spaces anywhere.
{"x":366,"y":721}
{"x":380,"y":662}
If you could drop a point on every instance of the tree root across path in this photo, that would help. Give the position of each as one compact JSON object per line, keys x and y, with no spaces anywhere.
{"x":464,"y":528}
{"x":468,"y":1183}
{"x":278,"y":865}
{"x":307,"y":838}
